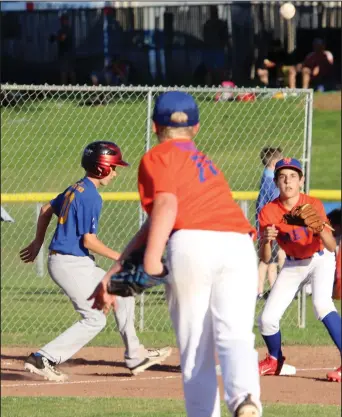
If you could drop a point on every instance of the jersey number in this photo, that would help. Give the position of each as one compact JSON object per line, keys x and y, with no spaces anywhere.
{"x":68,"y":198}
{"x":204,"y":165}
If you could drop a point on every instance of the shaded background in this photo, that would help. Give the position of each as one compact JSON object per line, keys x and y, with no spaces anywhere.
{"x":164,"y":44}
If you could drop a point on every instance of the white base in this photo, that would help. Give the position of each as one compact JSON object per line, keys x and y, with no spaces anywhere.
{"x":287,"y":370}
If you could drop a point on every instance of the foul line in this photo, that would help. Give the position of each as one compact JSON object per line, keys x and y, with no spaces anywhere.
{"x":152,"y":378}
{"x":40,"y":384}
{"x":314,"y":369}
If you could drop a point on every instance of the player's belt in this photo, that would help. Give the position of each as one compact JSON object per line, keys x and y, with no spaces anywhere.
{"x":55,"y":252}
{"x":292,"y":258}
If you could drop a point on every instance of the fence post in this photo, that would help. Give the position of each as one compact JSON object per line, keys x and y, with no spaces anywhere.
{"x":142,"y":215}
{"x":244,"y":207}
{"x":307,"y":170}
{"x":40,"y":257}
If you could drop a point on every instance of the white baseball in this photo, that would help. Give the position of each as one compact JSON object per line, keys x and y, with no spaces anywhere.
{"x":287,"y":10}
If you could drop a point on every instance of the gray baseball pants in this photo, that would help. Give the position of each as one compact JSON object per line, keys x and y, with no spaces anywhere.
{"x":78,"y":277}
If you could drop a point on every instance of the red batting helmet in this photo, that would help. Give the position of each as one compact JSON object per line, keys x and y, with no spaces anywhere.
{"x":98,"y":157}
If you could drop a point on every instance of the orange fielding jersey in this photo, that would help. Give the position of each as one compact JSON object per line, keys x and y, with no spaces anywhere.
{"x":204,"y":198}
{"x":337,"y":293}
{"x":297,"y":241}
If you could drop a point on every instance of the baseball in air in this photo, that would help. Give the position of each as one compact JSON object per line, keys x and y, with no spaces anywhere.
{"x":287,"y":10}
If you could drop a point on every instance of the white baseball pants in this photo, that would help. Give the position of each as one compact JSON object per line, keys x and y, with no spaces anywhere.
{"x":211,"y":294}
{"x":319,"y":270}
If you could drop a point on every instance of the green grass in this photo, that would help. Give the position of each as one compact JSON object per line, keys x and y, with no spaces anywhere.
{"x":42,"y":140}
{"x":326,"y":150}
{"x":41,"y":147}
{"x":23,"y":325}
{"x":124,"y":407}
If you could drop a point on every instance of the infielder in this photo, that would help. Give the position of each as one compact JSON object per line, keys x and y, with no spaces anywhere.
{"x":211,"y":260}
{"x":73,"y":269}
{"x":309,"y":246}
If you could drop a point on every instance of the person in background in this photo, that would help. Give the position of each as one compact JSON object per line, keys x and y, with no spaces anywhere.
{"x":115,"y":72}
{"x":215,"y":36}
{"x":268,"y":192}
{"x":66,"y":59}
{"x":317,"y":66}
{"x":277,"y":64}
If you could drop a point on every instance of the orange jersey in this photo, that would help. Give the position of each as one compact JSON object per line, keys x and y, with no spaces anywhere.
{"x":297,"y":241}
{"x":338,"y":263}
{"x":337,"y":292}
{"x":204,"y":198}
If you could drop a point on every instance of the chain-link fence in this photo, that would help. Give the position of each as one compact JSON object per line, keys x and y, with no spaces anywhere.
{"x":45,"y":129}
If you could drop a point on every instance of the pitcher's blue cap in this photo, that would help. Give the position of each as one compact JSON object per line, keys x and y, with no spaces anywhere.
{"x":175,"y":101}
{"x":288,"y":163}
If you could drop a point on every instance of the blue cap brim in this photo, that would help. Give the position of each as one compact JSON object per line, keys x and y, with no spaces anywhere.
{"x":291,"y":167}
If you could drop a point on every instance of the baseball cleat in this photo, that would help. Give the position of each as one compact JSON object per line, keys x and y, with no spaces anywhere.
{"x":154,"y":357}
{"x":271,"y":365}
{"x":334,"y":376}
{"x":164,"y":352}
{"x":247,"y":408}
{"x":41,"y":366}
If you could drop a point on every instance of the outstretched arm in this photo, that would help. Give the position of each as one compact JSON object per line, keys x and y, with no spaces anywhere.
{"x":102,"y":299}
{"x":30,"y":253}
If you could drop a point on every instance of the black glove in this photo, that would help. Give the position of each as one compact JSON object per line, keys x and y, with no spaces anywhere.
{"x":132,"y":279}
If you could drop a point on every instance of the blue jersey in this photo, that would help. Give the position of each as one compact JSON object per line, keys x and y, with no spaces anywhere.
{"x":78,"y":209}
{"x":268,"y":191}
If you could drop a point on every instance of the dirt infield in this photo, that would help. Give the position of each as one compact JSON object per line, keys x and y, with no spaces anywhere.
{"x":327,"y":101}
{"x":100,"y":372}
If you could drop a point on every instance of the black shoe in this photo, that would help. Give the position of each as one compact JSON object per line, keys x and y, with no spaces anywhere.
{"x":40,"y":365}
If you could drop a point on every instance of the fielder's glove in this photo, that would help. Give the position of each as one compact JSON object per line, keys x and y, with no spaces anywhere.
{"x":305,"y":215}
{"x":132,"y":279}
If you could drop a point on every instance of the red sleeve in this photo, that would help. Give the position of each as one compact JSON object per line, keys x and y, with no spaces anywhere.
{"x":337,"y":293}
{"x":338,"y":263}
{"x":320,"y":209}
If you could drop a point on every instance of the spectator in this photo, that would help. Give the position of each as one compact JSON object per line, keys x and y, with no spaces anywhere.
{"x":317,"y":67}
{"x":268,"y":192}
{"x":115,"y":72}
{"x":277,"y":65}
{"x":215,"y":35}
{"x":200,"y":75}
{"x":64,"y":39}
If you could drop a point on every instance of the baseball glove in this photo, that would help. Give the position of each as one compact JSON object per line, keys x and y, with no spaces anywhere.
{"x":132,"y":279}
{"x":305,"y":215}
